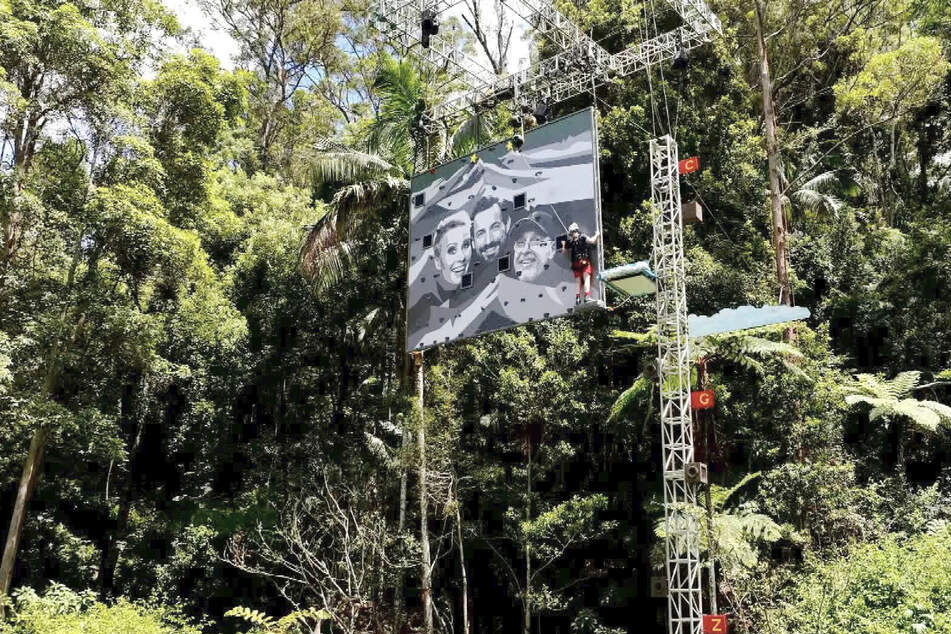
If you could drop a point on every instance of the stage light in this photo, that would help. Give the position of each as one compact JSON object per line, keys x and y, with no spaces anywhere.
{"x":681,"y":61}
{"x":428,"y":25}
{"x":542,"y":111}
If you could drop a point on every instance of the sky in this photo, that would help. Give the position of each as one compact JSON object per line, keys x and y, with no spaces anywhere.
{"x":204,"y":32}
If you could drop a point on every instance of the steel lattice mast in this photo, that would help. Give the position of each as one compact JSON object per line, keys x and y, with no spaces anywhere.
{"x":681,"y":520}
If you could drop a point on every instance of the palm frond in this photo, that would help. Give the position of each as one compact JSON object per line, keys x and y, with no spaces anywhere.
{"x":763,"y":347}
{"x":871,"y":385}
{"x":380,"y":450}
{"x":923,"y":417}
{"x":471,"y":134}
{"x":942,"y":410}
{"x":815,"y":193}
{"x":853,"y":399}
{"x":822,"y":181}
{"x":799,"y":372}
{"x":625,"y":403}
{"x":323,"y":256}
{"x":721,"y":496}
{"x":635,"y":338}
{"x":737,"y":535}
{"x":348,"y":166}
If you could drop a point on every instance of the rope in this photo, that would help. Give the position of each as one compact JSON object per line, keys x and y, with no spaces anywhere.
{"x":663,"y":82}
{"x":655,"y":117}
{"x":710,"y":209}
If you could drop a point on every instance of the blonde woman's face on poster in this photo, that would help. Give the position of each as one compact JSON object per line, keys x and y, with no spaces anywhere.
{"x":454,"y":253}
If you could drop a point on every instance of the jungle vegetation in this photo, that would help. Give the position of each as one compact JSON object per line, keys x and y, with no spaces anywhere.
{"x":208,"y":423}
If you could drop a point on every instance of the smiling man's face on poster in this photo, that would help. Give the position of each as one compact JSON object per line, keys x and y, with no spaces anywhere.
{"x":489,"y":228}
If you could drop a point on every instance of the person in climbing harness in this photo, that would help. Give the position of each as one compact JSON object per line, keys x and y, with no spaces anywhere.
{"x":579,"y":246}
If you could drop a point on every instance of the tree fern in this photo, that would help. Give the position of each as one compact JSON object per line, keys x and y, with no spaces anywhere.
{"x":625,"y":404}
{"x":285,"y":625}
{"x":254,"y":617}
{"x":889,"y":398}
{"x":737,"y":532}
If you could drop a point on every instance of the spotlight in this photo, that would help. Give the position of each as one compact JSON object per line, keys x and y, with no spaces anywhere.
{"x":681,"y":61}
{"x":428,"y":26}
{"x":542,"y":111}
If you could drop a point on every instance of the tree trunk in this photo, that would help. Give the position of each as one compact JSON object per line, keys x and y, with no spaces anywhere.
{"x":34,"y":459}
{"x":899,"y":427}
{"x":425,"y":557}
{"x":780,"y":228}
{"x":404,"y":361}
{"x":462,"y":569}
{"x":110,"y":552}
{"x":526,"y":602}
{"x":31,"y":471}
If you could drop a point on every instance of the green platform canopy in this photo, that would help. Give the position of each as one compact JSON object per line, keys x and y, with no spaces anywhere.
{"x":631,"y":279}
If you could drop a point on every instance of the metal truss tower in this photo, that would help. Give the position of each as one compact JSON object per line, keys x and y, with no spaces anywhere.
{"x":681,"y":517}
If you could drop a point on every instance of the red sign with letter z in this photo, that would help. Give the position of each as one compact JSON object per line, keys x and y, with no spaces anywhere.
{"x":715,"y":624}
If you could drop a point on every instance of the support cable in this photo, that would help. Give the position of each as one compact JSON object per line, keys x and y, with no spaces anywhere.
{"x":663,"y":81}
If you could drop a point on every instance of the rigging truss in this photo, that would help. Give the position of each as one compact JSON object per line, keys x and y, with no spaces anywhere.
{"x":681,"y":520}
{"x":580,"y":64}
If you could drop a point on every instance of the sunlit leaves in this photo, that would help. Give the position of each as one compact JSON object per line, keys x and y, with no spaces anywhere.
{"x":894,"y":82}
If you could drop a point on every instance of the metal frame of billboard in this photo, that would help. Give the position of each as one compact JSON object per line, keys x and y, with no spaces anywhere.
{"x":596,"y":184}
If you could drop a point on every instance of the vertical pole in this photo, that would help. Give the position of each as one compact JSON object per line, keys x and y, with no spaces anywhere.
{"x":682,"y":544}
{"x":462,"y":567}
{"x":712,"y":573}
{"x":708,"y":444}
{"x":425,"y":556}
{"x":777,"y":207}
{"x":527,"y":620}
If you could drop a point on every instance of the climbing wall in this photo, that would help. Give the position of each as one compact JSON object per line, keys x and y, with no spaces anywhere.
{"x":485,"y":233}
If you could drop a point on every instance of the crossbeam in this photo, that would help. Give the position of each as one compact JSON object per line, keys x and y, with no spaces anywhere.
{"x":580,"y":65}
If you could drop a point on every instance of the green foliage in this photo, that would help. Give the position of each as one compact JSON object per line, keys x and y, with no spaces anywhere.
{"x":886,"y":399}
{"x":894,"y":82}
{"x":288,"y":624}
{"x":202,"y":279}
{"x":738,"y":530}
{"x":896,"y":585}
{"x":59,"y":610}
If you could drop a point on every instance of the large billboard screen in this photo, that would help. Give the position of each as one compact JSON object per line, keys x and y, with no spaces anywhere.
{"x":486,"y":233}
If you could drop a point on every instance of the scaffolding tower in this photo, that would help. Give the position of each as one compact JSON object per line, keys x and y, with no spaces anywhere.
{"x":579,"y":66}
{"x":681,"y":520}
